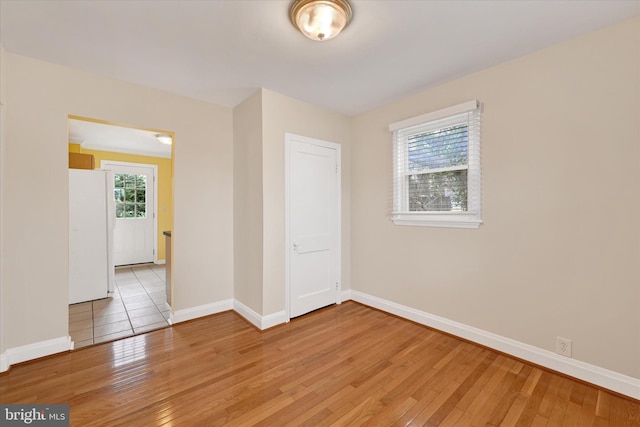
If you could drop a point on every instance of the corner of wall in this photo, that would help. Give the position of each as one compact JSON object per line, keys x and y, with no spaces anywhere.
{"x":257,"y":320}
{"x":247,"y":201}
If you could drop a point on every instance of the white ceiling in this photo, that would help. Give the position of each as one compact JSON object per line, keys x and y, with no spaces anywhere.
{"x":98,"y":136}
{"x":222,"y":51}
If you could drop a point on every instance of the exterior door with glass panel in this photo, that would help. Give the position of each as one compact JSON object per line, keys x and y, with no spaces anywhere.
{"x":133,"y":192}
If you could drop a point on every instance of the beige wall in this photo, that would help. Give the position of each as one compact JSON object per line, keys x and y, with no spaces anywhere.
{"x":35,"y":205}
{"x":247,"y":202}
{"x":3,"y":106}
{"x":558,"y":255}
{"x":558,"y":252}
{"x":260,"y":124}
{"x":282,"y":114}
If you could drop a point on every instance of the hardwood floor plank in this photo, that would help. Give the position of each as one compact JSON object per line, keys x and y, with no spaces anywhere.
{"x":531,"y":409}
{"x":450,"y":404}
{"x":507,"y":393}
{"x":515,"y":410}
{"x":391,"y":413}
{"x":588,"y":411}
{"x":453,"y":418}
{"x":546,"y":405}
{"x":342,"y":365}
{"x":482,"y":396}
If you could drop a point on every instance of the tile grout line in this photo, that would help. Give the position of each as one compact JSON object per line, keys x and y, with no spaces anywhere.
{"x":154,"y":302}
{"x":147,"y":293}
{"x":126,"y":310}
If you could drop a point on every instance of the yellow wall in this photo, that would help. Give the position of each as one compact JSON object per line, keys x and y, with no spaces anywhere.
{"x":165,"y":212}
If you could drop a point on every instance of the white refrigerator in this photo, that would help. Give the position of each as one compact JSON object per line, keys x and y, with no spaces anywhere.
{"x":91,"y":223}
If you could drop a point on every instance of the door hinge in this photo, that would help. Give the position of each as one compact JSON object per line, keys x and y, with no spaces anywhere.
{"x":336,"y":168}
{"x":337,"y":286}
{"x":154,"y":251}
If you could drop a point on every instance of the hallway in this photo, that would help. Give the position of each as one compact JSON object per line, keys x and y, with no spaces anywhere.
{"x":138,"y":305}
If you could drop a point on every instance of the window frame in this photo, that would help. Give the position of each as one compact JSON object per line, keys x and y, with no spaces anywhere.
{"x":472,"y":218}
{"x":136,"y":189}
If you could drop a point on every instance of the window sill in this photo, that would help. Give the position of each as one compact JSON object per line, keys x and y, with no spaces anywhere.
{"x":437,"y":220}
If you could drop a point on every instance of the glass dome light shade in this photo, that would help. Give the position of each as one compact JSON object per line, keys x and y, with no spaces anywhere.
{"x":320,"y":19}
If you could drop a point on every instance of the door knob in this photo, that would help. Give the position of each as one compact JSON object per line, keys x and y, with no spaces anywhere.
{"x":295,"y":247}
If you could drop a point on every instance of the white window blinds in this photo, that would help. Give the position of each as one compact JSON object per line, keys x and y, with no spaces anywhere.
{"x":436,"y":160}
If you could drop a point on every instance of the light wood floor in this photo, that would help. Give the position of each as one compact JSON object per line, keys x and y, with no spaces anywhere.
{"x":343,"y":365}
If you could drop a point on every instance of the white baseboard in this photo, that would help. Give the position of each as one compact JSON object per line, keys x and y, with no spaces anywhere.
{"x":274,"y":319}
{"x":250,"y":316}
{"x":160,"y":262}
{"x":605,"y":378}
{"x":36,"y":350}
{"x":259,"y":321}
{"x":200,"y":311}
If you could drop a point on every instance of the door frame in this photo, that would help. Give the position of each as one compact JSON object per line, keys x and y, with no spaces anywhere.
{"x":155,"y":196}
{"x":288,"y":139}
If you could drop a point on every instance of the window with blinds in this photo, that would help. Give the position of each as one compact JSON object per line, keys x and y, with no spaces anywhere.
{"x":437,"y":168}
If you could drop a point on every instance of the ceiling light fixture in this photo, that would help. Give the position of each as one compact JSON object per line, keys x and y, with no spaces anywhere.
{"x":164,"y":138}
{"x":320,"y":19}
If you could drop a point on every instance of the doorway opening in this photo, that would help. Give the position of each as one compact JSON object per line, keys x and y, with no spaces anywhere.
{"x":140,"y":196}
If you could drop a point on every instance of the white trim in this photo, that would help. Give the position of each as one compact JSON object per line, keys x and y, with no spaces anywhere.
{"x":257,"y":320}
{"x":468,"y":113}
{"x":127,"y":150}
{"x":288,"y":138}
{"x":200,"y":311}
{"x":274,"y":319}
{"x":251,"y":316}
{"x":155,"y":196}
{"x":435,"y":220}
{"x":160,"y":262}
{"x":287,"y":232}
{"x":34,"y":351}
{"x":465,"y":107}
{"x":605,"y":378}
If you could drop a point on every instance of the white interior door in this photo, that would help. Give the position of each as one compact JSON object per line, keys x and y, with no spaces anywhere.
{"x":313,"y":224}
{"x":134,"y":239}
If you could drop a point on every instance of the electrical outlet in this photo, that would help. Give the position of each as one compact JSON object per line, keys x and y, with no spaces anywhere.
{"x":563,"y":346}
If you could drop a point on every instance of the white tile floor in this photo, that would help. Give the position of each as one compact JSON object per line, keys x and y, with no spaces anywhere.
{"x":138,"y":305}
